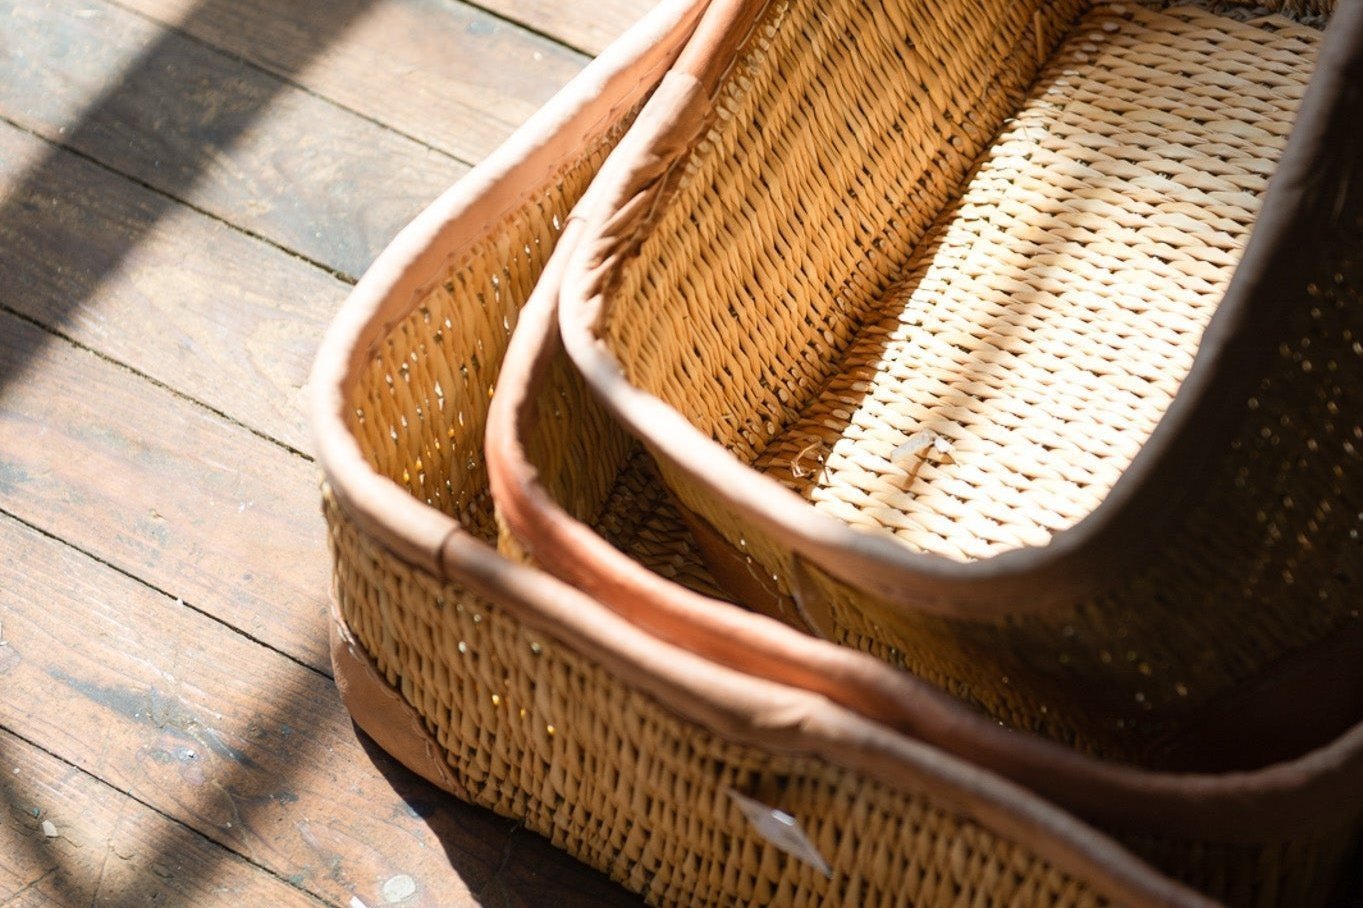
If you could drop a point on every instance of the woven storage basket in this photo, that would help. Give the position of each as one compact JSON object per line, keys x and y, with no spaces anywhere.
{"x":688,"y":782}
{"x":577,"y":499}
{"x":913,"y":303}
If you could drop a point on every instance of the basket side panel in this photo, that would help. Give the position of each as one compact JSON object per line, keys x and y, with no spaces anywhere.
{"x":534,"y":731}
{"x":840,"y":132}
{"x":421,"y":405}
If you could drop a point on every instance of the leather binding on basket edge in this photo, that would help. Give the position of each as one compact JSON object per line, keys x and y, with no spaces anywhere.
{"x":1267,"y":815}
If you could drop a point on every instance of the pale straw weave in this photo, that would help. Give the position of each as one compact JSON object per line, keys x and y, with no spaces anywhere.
{"x":1048,"y":318}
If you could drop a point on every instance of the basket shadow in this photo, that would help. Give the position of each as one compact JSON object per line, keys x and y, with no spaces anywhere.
{"x":215,"y":783}
{"x":501,"y":861}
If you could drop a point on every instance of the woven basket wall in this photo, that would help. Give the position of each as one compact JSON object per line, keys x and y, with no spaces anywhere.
{"x":565,"y":436}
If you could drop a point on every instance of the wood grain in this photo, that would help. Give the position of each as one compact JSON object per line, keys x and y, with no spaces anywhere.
{"x":109,"y":849}
{"x":591,"y":33}
{"x":442,"y":72}
{"x":162,"y":642}
{"x":243,"y":745}
{"x":196,"y":124}
{"x":225,"y":318}
{"x":162,"y":489}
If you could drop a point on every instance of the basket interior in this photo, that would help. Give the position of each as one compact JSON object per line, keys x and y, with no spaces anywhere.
{"x":945,"y":288}
{"x":600,"y":475}
{"x":421,"y":405}
{"x":420,"y":408}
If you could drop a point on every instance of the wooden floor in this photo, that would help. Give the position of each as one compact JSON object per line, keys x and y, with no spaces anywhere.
{"x":187,"y":190}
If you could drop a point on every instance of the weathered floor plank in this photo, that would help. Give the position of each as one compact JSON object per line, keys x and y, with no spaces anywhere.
{"x":224,"y":318}
{"x":243,"y":745}
{"x":567,"y":22}
{"x":445,"y":73}
{"x":162,"y":489}
{"x":67,"y":839}
{"x":264,"y":132}
{"x":199,"y":126}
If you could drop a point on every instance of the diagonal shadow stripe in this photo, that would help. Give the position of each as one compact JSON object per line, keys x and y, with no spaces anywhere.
{"x":148,"y":113}
{"x":177,"y":109}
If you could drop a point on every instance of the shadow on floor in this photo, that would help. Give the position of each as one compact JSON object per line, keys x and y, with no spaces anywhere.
{"x":151,"y":94}
{"x":503,"y":863}
{"x":168,"y":110}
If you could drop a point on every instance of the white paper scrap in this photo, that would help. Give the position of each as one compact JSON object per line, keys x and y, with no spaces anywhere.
{"x":781,"y":830}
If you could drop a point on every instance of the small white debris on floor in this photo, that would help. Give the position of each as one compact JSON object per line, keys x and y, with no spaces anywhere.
{"x":399,"y":888}
{"x":49,"y":829}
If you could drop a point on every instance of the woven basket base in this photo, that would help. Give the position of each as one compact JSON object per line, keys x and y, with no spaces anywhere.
{"x":640,"y":519}
{"x":1050,"y":316}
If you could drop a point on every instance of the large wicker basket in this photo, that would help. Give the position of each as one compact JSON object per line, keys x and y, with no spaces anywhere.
{"x":689,"y":782}
{"x":936,"y":319}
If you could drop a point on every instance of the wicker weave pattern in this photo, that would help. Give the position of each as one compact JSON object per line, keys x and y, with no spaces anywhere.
{"x":534,"y":731}
{"x":1287,"y":554}
{"x":1276,"y":532}
{"x":640,"y":519}
{"x":1155,"y":684}
{"x":1051,"y":314}
{"x":422,"y":408}
{"x":796,"y":211}
{"x":591,"y":466}
{"x":1292,"y":873}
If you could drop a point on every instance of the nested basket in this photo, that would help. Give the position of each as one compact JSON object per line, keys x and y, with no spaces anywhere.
{"x":689,"y":782}
{"x":944,"y":325}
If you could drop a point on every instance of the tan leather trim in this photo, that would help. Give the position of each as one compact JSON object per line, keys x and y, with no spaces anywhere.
{"x":732,"y":702}
{"x":382,"y":713}
{"x":725,"y":27}
{"x":1296,"y":794}
{"x":757,"y":714}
